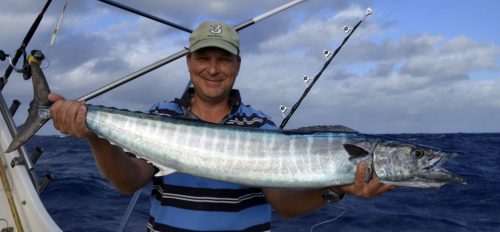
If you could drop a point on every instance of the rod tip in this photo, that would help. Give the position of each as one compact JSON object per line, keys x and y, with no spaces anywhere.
{"x":369,"y":11}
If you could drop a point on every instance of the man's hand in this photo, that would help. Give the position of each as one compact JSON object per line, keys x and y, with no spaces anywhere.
{"x":69,"y":116}
{"x":362,"y":188}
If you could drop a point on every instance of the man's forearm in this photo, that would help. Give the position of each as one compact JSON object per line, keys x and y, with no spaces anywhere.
{"x":126,"y":173}
{"x":292,"y":203}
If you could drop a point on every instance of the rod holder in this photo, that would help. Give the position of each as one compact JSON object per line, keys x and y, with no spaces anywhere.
{"x":36,"y":155}
{"x":48,"y":178}
{"x":13,"y":108}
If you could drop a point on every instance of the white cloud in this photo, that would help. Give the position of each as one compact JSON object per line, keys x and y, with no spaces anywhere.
{"x":406,"y":82}
{"x":453,"y":60}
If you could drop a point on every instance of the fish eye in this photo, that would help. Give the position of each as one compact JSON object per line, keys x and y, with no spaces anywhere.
{"x":418,"y":153}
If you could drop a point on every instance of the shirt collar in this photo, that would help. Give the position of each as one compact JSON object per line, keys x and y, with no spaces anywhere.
{"x":234,"y":99}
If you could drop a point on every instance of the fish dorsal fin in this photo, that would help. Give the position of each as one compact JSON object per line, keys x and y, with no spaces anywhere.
{"x":327,"y":128}
{"x":355,"y":152}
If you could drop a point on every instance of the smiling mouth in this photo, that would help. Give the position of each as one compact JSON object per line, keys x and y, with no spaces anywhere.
{"x":211,"y":79}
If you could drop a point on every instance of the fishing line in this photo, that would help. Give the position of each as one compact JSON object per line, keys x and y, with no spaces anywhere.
{"x":11,"y":63}
{"x":6,"y":222}
{"x":328,"y":221}
{"x":47,"y":63}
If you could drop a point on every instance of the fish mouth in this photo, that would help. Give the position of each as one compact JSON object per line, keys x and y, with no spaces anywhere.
{"x":439,"y":158}
{"x":435,"y":173}
{"x":432,"y":175}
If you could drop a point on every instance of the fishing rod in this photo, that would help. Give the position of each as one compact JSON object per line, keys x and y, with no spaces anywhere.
{"x":327,"y":54}
{"x":22,"y":49}
{"x":144,"y":14}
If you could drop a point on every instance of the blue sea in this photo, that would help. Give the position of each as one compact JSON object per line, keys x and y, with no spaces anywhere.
{"x":79,"y":199}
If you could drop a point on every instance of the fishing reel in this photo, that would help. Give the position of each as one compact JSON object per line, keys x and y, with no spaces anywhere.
{"x":36,"y":57}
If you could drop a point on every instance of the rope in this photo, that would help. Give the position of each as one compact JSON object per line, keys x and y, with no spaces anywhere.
{"x":10,"y":197}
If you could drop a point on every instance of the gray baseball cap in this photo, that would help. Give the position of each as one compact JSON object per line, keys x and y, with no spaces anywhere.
{"x":215,"y":34}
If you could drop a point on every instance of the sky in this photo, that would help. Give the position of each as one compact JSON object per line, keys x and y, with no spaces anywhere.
{"x":412,"y":67}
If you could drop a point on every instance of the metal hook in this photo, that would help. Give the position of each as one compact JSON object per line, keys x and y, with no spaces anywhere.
{"x":19,"y":70}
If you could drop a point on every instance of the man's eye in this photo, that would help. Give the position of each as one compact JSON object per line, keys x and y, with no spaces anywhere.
{"x":226,"y":59}
{"x":201,"y":58}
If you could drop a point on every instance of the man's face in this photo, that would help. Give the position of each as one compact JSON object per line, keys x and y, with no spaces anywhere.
{"x":213,"y":72}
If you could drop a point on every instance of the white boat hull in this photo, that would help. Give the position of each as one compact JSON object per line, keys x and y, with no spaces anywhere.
{"x":24,"y":211}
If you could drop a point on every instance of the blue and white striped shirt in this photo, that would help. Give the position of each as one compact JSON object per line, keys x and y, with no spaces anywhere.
{"x":182,"y":202}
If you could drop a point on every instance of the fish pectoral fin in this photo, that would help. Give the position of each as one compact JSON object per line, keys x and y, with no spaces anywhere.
{"x":355,"y":152}
{"x":163,"y":171}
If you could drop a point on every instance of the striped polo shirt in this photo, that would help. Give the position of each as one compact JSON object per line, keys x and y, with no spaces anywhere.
{"x":182,"y":202}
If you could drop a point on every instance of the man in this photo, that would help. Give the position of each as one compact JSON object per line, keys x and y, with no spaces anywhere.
{"x":182,"y":202}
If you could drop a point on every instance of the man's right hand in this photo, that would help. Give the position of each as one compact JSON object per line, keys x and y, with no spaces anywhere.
{"x":69,"y":116}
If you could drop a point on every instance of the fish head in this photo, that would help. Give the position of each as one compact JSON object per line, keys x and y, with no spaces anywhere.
{"x":409,"y":165}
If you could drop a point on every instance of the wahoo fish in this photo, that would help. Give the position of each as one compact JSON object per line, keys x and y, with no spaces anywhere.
{"x":306,"y":158}
{"x":313,"y":157}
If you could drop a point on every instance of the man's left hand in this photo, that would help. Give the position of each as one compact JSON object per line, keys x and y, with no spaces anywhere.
{"x":362,"y":188}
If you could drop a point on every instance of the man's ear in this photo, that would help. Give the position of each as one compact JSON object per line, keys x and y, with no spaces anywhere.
{"x":188,"y":57}
{"x":239,"y":64}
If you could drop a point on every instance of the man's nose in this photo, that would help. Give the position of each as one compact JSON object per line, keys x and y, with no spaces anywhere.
{"x":213,"y":67}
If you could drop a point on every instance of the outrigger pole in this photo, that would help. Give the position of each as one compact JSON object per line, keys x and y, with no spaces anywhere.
{"x":21,"y":50}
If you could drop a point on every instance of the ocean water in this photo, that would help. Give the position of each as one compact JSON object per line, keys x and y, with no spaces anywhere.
{"x":79,"y":199}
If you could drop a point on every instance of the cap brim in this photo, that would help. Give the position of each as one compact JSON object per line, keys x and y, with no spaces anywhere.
{"x":214,"y":43}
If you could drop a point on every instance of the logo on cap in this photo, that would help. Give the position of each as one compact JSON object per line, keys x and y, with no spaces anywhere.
{"x":216,"y":29}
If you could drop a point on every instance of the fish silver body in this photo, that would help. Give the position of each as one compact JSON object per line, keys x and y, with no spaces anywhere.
{"x":265,"y":158}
